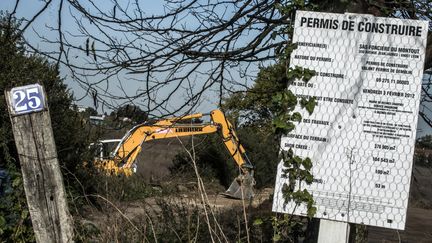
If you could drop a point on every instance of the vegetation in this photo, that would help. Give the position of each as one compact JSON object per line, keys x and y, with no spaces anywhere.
{"x":163,"y":46}
{"x":263,"y":115}
{"x":172,"y":62}
{"x":212,"y":160}
{"x":423,"y":155}
{"x":132,"y":112}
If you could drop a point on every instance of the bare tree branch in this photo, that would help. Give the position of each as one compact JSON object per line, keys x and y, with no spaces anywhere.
{"x":184,"y":50}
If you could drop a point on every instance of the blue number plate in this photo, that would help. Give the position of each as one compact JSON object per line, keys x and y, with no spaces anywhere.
{"x":27,"y":99}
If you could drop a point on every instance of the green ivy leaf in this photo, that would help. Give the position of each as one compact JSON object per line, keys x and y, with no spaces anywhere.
{"x":309,"y":104}
{"x":309,"y":179}
{"x":2,"y":222}
{"x":258,"y":222}
{"x":276,"y":237}
{"x":296,"y":116}
{"x":297,"y":160}
{"x":290,"y":127}
{"x":281,"y":126}
{"x":16,"y":182}
{"x":291,"y":99}
{"x":24,"y":214}
{"x":290,"y":48}
{"x":308,"y":74}
{"x":307,"y":163}
{"x":278,"y":122}
{"x":311,"y":212}
{"x":277,"y":98}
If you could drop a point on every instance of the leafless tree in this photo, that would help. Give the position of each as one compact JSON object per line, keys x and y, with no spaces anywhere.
{"x":178,"y":51}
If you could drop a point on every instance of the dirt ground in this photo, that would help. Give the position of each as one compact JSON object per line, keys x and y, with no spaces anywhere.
{"x":419,"y":216}
{"x":418,"y":229}
{"x":215,"y":201}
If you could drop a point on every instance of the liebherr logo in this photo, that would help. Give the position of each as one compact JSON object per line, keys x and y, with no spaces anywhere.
{"x":189,"y":129}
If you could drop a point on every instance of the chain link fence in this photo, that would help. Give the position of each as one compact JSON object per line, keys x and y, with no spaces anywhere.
{"x":361,"y":135}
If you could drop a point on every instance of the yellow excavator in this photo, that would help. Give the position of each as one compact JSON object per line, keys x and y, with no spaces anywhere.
{"x":123,"y":159}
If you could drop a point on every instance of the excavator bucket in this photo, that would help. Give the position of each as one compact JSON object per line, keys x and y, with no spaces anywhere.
{"x":241,"y":187}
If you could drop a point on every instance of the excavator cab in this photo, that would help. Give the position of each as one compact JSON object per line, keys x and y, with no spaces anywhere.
{"x":103,"y":148}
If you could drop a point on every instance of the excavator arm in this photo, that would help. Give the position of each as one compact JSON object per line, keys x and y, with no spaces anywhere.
{"x":242,"y":186}
{"x":123,"y":158}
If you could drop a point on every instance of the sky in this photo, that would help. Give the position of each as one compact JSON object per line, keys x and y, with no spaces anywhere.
{"x":48,"y":18}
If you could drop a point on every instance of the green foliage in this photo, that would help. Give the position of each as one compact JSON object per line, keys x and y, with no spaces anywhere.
{"x":284,"y":103}
{"x":271,"y":106}
{"x":132,"y":112}
{"x":308,"y":104}
{"x":89,"y":111}
{"x":423,"y":155}
{"x":297,"y":170}
{"x":211,"y":158}
{"x":424,"y":142}
{"x":257,"y":106}
{"x":300,"y":73}
{"x":290,"y":228}
{"x":214,"y":161}
{"x":262,"y":149}
{"x":277,"y":116}
{"x":15,"y":223}
{"x":86,"y":232}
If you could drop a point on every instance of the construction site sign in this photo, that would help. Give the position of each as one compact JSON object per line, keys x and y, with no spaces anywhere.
{"x":361,"y":135}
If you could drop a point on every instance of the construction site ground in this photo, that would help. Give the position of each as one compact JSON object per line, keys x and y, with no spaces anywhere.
{"x":419,"y":216}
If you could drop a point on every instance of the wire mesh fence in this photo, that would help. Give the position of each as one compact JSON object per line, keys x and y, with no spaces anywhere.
{"x":361,"y":135}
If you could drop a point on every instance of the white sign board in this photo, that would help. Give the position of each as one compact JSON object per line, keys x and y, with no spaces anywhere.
{"x":361,"y":135}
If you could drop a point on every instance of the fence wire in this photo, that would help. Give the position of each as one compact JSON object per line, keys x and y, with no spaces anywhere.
{"x":361,"y":135}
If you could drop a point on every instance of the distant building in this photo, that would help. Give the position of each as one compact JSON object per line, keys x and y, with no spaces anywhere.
{"x":126,"y":119}
{"x":97,"y":120}
{"x":81,"y":108}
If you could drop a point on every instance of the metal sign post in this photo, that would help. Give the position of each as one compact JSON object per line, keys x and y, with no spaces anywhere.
{"x":333,"y":232}
{"x":42,"y":179}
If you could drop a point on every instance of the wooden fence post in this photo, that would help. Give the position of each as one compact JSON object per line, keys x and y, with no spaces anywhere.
{"x":42,"y":179}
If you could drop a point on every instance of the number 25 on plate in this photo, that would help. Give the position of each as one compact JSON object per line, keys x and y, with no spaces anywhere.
{"x":26,"y":99}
